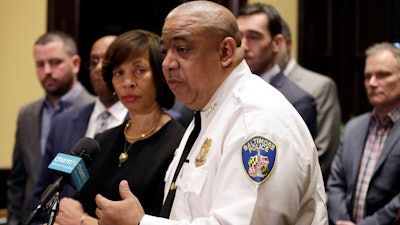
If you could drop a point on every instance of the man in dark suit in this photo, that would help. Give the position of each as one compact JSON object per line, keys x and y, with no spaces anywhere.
{"x":363,"y":186}
{"x":57,"y":66}
{"x":261,"y":30}
{"x":324,"y":91}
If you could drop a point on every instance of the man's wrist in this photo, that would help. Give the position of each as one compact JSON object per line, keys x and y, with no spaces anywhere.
{"x":82,"y":219}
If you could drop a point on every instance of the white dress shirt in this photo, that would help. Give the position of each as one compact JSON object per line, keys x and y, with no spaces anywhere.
{"x":118,"y":114}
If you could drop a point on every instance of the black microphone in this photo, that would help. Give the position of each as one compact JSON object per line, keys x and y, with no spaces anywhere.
{"x":71,"y":168}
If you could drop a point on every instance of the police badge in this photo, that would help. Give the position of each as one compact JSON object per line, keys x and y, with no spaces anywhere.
{"x":258,"y":157}
{"x":201,"y":157}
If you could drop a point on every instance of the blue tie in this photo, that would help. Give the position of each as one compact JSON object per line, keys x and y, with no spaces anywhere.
{"x":103,"y":122}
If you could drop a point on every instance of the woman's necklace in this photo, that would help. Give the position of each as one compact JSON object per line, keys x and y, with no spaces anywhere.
{"x":142,"y":136}
{"x":124,"y":155}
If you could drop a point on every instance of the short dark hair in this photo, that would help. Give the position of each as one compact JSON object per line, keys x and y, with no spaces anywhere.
{"x":70,"y":46}
{"x":132,"y":44}
{"x":274,"y":24}
{"x":285,"y":29}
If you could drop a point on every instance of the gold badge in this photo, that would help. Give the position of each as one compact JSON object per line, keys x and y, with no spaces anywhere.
{"x":201,"y":157}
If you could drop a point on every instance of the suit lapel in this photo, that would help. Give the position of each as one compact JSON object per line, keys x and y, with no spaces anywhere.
{"x":390,"y":144}
{"x":359,"y":137}
{"x":35,"y":122}
{"x":81,"y":119}
{"x":278,"y":81}
{"x":84,"y":98}
{"x":31,"y":131}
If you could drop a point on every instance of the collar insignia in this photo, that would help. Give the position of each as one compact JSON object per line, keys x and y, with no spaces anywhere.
{"x":211,"y":109}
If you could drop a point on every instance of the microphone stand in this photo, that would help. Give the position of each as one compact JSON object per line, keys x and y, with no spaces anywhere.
{"x":48,"y":196}
{"x":53,"y":206}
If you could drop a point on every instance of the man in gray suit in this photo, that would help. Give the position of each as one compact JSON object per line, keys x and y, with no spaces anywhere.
{"x":363,"y":186}
{"x":324,"y":90}
{"x":57,"y":65}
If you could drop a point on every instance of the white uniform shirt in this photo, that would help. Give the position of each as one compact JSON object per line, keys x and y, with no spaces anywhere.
{"x":221,"y":189}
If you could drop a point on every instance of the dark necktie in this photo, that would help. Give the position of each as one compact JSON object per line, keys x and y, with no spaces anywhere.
{"x":166,"y":208}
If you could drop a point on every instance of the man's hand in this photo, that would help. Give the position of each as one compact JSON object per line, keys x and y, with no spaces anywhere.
{"x":71,"y":211}
{"x":128,"y":211}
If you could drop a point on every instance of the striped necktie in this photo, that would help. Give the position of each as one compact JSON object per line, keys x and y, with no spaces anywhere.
{"x":102,"y":125}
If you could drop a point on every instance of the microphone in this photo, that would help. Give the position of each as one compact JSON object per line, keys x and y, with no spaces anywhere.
{"x":71,"y":168}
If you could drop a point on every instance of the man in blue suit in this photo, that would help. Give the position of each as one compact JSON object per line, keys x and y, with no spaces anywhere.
{"x":261,"y":29}
{"x":363,"y":186}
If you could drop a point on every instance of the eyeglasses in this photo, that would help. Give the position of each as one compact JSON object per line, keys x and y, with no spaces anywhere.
{"x":92,"y":63}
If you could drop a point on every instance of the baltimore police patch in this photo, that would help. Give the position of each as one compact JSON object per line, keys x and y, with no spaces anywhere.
{"x":258,"y":157}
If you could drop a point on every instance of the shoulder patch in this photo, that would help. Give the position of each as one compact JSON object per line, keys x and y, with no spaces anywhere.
{"x":258,"y":157}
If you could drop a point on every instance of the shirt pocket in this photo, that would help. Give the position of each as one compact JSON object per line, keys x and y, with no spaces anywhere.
{"x":191,"y":180}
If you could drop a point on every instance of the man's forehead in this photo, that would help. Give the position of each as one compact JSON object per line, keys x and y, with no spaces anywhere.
{"x":174,"y":38}
{"x":247,"y":26}
{"x":183,"y":22}
{"x":180,"y":31}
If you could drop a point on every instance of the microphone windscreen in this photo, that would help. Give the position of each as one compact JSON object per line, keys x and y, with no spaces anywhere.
{"x":86,"y":148}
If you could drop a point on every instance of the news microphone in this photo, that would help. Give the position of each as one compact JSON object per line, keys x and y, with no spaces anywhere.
{"x":71,"y":168}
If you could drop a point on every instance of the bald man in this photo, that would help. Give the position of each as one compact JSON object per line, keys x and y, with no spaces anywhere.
{"x":253,"y":161}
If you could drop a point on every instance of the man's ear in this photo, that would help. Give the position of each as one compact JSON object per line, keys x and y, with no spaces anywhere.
{"x":76,"y":60}
{"x":277,"y":42}
{"x":227,"y":51}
